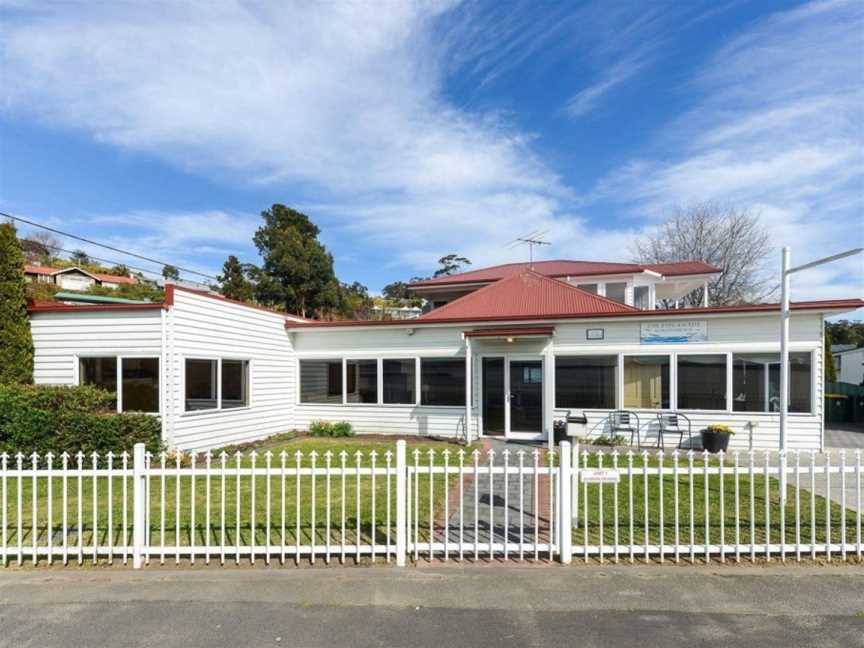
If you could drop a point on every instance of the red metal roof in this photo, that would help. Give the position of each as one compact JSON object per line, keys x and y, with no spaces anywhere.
{"x":526,"y":293}
{"x":59,"y":307}
{"x":825,"y":306}
{"x":105,"y":278}
{"x":568,"y":269}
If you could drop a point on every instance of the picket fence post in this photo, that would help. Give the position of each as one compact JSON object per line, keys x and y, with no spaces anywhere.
{"x":401,"y":503}
{"x":139,"y":486}
{"x":565,"y":513}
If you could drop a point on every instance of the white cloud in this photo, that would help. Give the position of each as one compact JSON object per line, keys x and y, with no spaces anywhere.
{"x":778,"y":129}
{"x":586,"y":99}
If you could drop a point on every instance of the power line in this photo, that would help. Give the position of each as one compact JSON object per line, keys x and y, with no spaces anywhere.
{"x":95,"y":258}
{"x":103,"y":245}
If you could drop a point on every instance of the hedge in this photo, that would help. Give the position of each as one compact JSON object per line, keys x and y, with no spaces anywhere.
{"x":43,"y":418}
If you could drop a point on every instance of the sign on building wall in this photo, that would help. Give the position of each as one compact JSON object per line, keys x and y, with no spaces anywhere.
{"x":677,"y":332}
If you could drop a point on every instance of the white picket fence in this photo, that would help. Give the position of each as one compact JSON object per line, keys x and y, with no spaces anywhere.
{"x":437,"y":505}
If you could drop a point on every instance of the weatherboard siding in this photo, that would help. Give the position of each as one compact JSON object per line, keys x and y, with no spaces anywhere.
{"x":203,"y":327}
{"x":60,"y":338}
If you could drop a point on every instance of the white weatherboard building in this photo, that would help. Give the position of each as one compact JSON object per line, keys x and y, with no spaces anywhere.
{"x":850,"y":366}
{"x":506,"y":352}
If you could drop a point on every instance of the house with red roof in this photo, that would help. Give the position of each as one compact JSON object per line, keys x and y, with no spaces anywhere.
{"x":74,"y":278}
{"x":518,"y":351}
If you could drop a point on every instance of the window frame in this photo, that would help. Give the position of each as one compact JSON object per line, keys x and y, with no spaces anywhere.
{"x":814,"y":404}
{"x":583,"y":354}
{"x":673,"y":380}
{"x":218,"y":408}
{"x":727,"y":408}
{"x":76,"y":374}
{"x":420,"y":379}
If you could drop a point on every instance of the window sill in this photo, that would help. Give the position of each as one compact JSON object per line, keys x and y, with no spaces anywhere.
{"x":193,"y":413}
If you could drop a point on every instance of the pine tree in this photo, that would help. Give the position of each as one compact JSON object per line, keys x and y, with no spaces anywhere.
{"x":16,"y":342}
{"x":234,"y":280}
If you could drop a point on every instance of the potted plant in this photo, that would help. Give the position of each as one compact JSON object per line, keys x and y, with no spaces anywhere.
{"x":715,"y":437}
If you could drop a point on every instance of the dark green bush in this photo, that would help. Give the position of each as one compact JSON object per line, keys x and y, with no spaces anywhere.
{"x":43,"y":418}
{"x":328,"y":429}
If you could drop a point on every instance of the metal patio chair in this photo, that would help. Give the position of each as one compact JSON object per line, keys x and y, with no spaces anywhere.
{"x":673,"y":423}
{"x":625,"y":421}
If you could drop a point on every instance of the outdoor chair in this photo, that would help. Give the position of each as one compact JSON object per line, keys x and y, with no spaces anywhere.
{"x":624,"y":421}
{"x":674,"y":423}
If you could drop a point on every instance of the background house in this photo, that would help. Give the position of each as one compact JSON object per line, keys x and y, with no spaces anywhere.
{"x":74,"y":278}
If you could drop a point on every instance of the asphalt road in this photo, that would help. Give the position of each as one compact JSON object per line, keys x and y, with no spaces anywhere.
{"x":434,"y":606}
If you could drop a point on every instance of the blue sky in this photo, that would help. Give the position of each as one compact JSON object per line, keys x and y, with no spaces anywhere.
{"x":407,"y":131}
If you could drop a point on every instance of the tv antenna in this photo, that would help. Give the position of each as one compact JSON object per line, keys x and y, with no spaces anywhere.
{"x":531,"y":239}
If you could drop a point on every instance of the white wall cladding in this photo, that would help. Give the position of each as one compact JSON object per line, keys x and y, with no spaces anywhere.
{"x":58,"y":338}
{"x":203,"y":327}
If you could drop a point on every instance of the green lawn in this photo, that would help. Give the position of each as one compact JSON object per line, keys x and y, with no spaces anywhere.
{"x":362,"y":504}
{"x":755,"y":507}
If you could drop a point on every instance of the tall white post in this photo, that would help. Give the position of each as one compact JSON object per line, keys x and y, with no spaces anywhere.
{"x":565,"y":509}
{"x":705,"y":294}
{"x":139,"y":513}
{"x":467,"y":389}
{"x":401,"y":504}
{"x":784,"y":367}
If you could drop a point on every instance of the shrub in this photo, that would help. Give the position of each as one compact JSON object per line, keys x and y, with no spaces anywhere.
{"x":43,"y":418}
{"x":16,"y":343}
{"x":328,"y":429}
{"x":610,"y":441}
{"x":719,"y":427}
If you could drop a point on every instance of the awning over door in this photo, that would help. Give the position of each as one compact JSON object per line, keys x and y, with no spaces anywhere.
{"x":511,"y":332}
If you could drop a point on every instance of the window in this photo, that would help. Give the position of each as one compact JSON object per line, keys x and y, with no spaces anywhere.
{"x":592,"y":288}
{"x":616,"y":291}
{"x":235,"y":383}
{"x":756,"y":382}
{"x":532,"y":375}
{"x":586,"y":382}
{"x":400,"y":381}
{"x":138,"y":388}
{"x":646,"y":382}
{"x":362,"y":381}
{"x":201,"y":385}
{"x":442,"y":381}
{"x":702,"y":382}
{"x":140,"y":391}
{"x":641,"y":297}
{"x":100,"y":372}
{"x":321,"y":381}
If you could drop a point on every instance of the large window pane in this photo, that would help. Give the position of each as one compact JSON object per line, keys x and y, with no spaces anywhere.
{"x":362,"y":381}
{"x":200,"y":384}
{"x":586,"y":382}
{"x":616,"y":291}
{"x":756,"y":382}
{"x":592,"y":288}
{"x":321,"y":381}
{"x":442,"y":381}
{"x":100,"y":372}
{"x":400,"y":381}
{"x":646,"y":382}
{"x":702,"y":382}
{"x":235,"y":383}
{"x":140,"y":384}
{"x":640,"y":297}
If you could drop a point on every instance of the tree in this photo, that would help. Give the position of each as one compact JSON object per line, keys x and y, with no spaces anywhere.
{"x":354,"y":301}
{"x":39,"y":247}
{"x":80,"y":258}
{"x":450,"y":264}
{"x":298,"y":271}
{"x":396,"y":291}
{"x":234,"y":280}
{"x":846,"y":332}
{"x":830,"y":368}
{"x":729,"y":238}
{"x":16,"y":342}
{"x":170,"y":272}
{"x":119,"y":270}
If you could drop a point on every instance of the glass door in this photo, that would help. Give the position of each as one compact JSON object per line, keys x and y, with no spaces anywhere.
{"x":494,"y":418}
{"x":525,"y":396}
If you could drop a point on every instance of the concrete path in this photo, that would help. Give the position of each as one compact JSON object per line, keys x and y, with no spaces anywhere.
{"x":844,"y":436}
{"x":495,"y":606}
